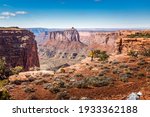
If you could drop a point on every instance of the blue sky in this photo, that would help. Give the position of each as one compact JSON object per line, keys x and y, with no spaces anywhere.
{"x":76,"y":13}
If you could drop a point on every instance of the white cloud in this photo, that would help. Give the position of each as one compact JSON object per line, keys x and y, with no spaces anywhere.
{"x":9,"y":14}
{"x":6,"y":15}
{"x":21,"y":12}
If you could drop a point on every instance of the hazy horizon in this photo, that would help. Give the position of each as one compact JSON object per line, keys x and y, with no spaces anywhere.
{"x":75,"y":13}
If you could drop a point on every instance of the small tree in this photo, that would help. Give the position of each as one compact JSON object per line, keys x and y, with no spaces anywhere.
{"x":102,"y":55}
{"x":91,"y":54}
{"x":4,"y":70}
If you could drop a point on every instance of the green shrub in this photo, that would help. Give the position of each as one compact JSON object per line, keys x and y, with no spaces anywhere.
{"x":17,"y":69}
{"x":78,"y":75}
{"x":146,"y":52}
{"x":3,"y":83}
{"x":94,"y":82}
{"x":62,"y":70}
{"x":102,"y":55}
{"x":141,"y":75}
{"x":4,"y":70}
{"x":139,"y":35}
{"x":4,"y":95}
{"x":133,"y":53}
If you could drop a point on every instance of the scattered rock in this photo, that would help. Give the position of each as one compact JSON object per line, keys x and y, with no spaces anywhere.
{"x":115,"y":62}
{"x":85,"y":98}
{"x":134,"y":96}
{"x":47,"y":85}
{"x":29,"y":90}
{"x":40,"y":81}
{"x":123,"y":65}
{"x":63,"y":96}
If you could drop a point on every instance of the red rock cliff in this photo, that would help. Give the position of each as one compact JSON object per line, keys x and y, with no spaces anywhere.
{"x":18,"y":47}
{"x":125,"y":43}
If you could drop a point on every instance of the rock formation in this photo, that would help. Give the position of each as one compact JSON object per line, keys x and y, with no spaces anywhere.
{"x":99,"y":40}
{"x":18,"y":47}
{"x":62,"y":44}
{"x":125,"y":44}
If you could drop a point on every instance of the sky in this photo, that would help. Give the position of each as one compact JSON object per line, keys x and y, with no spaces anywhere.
{"x":75,"y":13}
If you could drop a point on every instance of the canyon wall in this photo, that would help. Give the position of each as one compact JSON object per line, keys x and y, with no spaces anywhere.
{"x":18,"y":48}
{"x":99,"y":40}
{"x":125,"y":43}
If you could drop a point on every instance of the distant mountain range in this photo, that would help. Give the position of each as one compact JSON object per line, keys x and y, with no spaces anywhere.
{"x":38,"y":31}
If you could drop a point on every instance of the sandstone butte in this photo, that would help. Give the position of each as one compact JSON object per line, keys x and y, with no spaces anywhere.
{"x":18,"y":47}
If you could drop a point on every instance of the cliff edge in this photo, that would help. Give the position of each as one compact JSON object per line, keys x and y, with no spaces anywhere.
{"x":18,"y":48}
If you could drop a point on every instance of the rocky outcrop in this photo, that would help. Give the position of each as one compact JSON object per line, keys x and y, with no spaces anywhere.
{"x":99,"y":40}
{"x":18,"y":47}
{"x":67,"y":35}
{"x":125,"y":44}
{"x":62,"y":44}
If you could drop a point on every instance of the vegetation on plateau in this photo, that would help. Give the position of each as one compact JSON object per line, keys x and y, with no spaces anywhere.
{"x":145,"y":53}
{"x":5,"y":72}
{"x":139,"y":35}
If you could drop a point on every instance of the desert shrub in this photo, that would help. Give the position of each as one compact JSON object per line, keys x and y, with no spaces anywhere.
{"x":142,"y":62}
{"x":3,"y":83}
{"x":125,"y":76}
{"x":99,"y":81}
{"x":133,"y":53}
{"x":54,"y":89}
{"x":78,"y":75}
{"x":139,"y":35}
{"x":29,"y":90}
{"x":123,"y":65}
{"x":146,"y":52}
{"x":141,"y":75}
{"x":116,"y":71}
{"x":94,"y":82}
{"x":102,"y":55}
{"x":4,"y":94}
{"x":81,"y":84}
{"x":62,"y":70}
{"x":6,"y":71}
{"x":17,"y":69}
{"x":62,"y":96}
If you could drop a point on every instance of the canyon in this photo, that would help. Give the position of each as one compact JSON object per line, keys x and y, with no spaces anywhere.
{"x":18,"y":48}
{"x":66,"y":70}
{"x":70,"y":46}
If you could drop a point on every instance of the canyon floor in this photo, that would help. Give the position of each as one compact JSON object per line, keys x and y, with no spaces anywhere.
{"x":114,"y":79}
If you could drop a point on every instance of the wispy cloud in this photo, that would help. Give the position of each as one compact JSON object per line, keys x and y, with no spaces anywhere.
{"x":5,"y":5}
{"x":21,"y":12}
{"x":97,"y":0}
{"x":7,"y":15}
{"x":3,"y":17}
